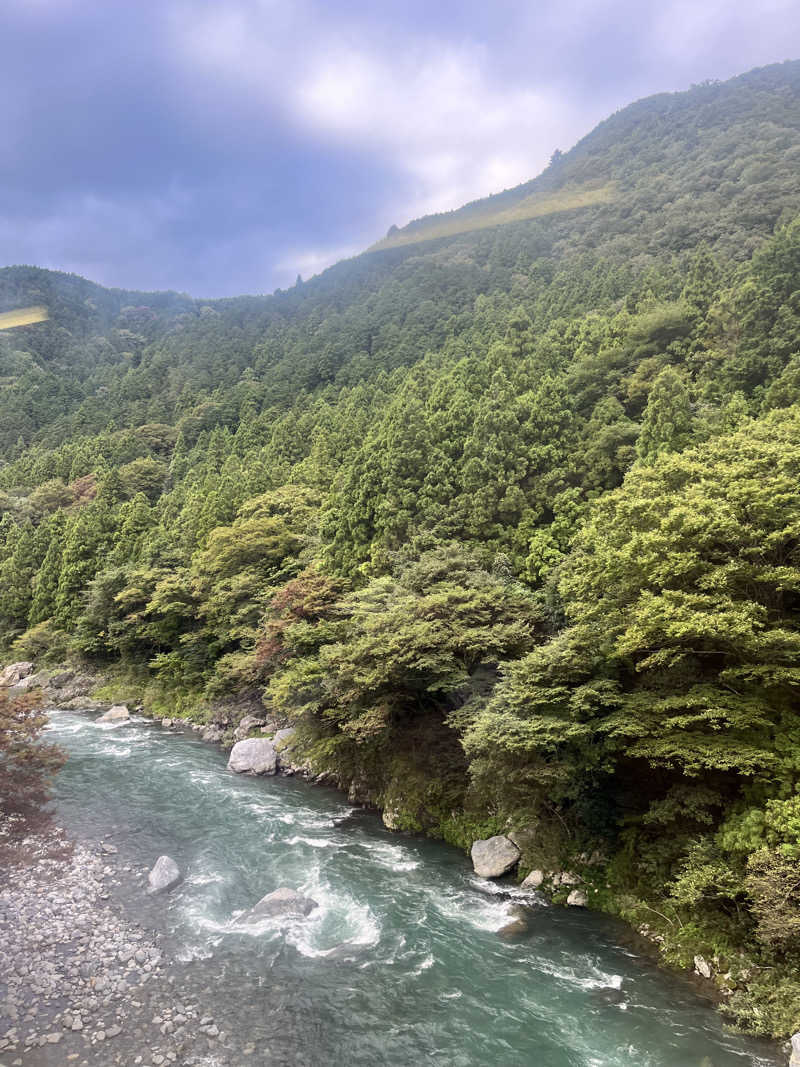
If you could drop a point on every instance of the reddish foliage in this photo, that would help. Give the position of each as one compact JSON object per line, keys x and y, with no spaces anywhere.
{"x":27,"y":767}
{"x":84,"y":489}
{"x":307,"y":598}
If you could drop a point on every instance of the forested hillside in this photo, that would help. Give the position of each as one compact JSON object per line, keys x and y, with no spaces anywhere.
{"x":503,"y":515}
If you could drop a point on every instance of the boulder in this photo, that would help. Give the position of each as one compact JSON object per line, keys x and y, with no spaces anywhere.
{"x":212,"y":733}
{"x":577,"y":899}
{"x":61,"y":678}
{"x":33,"y":681}
{"x":255,"y":755}
{"x":534,"y":880}
{"x":494,"y":857}
{"x":14,"y":673}
{"x":167,"y":723}
{"x":248,"y":723}
{"x":283,"y":746}
{"x":795,"y":1060}
{"x":164,"y":875}
{"x":284,"y":903}
{"x":77,"y":686}
{"x":390,"y":817}
{"x":79,"y":704}
{"x":702,"y":967}
{"x":566,"y":878}
{"x":117,"y":713}
{"x":283,"y":738}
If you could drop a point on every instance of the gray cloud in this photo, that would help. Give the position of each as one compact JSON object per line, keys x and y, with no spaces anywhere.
{"x":222,"y":148}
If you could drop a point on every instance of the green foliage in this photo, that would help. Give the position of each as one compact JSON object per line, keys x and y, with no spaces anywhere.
{"x":667,"y":422}
{"x":504,"y":514}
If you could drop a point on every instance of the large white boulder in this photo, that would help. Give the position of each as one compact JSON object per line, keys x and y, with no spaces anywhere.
{"x":283,"y":903}
{"x":119,"y":713}
{"x":254,"y":755}
{"x":795,"y":1060}
{"x":495,"y":856}
{"x":165,"y":874}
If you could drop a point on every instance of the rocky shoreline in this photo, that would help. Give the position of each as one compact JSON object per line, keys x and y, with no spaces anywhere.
{"x":92,"y":967}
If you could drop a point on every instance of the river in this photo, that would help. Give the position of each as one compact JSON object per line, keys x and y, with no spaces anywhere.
{"x":401,"y":963}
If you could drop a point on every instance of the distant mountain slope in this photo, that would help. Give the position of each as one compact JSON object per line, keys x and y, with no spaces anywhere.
{"x":724,"y":144}
{"x":717,"y":164}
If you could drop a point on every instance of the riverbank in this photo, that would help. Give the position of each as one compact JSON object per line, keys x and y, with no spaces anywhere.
{"x":74,"y":692}
{"x":83,"y":984}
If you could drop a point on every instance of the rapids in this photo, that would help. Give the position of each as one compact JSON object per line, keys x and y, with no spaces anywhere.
{"x":401,"y":963}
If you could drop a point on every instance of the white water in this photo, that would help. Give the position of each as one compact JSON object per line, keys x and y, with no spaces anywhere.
{"x":401,"y":962}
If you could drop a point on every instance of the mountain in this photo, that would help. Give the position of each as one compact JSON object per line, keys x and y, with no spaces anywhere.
{"x":502,"y":515}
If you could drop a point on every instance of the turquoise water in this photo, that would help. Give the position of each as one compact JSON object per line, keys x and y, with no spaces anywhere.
{"x":402,"y":962}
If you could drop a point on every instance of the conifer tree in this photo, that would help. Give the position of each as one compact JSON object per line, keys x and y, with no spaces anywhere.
{"x":16,"y":579}
{"x":667,"y":422}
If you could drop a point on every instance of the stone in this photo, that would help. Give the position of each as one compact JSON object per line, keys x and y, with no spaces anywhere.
{"x":165,"y":874}
{"x":248,"y":723}
{"x":166,"y":723}
{"x":702,"y":967}
{"x":283,"y":903}
{"x":255,"y":755}
{"x":282,"y":741}
{"x":33,"y":681}
{"x":578,"y":899}
{"x":534,"y":880}
{"x":795,"y":1060}
{"x":14,"y":673}
{"x":494,"y":856}
{"x":212,"y":733}
{"x":78,"y":686}
{"x":391,"y":818}
{"x":61,"y":678}
{"x":117,"y":713}
{"x":566,"y":878}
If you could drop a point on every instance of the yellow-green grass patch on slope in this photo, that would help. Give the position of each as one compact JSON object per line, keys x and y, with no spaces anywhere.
{"x":479,"y":218}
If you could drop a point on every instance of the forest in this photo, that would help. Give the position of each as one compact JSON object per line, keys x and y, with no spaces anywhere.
{"x":503,"y":516}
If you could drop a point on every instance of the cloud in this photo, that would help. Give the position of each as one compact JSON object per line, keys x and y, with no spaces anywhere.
{"x":217,"y":148}
{"x":438,"y":117}
{"x":435,"y":112}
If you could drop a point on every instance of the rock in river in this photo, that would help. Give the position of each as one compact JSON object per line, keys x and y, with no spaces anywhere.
{"x":283,"y":903}
{"x":119,"y":713}
{"x":164,"y":875}
{"x":494,"y":857}
{"x":255,"y":755}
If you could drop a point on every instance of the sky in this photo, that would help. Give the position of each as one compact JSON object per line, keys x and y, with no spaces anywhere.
{"x":224,"y":147}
